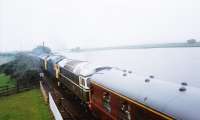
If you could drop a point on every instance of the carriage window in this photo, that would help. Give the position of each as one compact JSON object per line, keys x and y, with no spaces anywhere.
{"x":125,"y":111}
{"x":106,"y":101}
{"x":83,"y":82}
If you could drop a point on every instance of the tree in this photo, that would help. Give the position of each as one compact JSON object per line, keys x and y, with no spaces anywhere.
{"x":41,"y":50}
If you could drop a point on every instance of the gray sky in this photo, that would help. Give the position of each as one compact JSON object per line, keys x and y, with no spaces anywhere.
{"x":96,"y":23}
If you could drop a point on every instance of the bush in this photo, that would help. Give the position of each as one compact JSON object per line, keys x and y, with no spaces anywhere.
{"x":24,"y":69}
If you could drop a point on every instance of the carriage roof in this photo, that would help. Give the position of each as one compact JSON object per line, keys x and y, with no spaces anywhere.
{"x":90,"y":69}
{"x":71,"y":65}
{"x":82,"y":68}
{"x":55,"y":58}
{"x":44,"y":56}
{"x":63,"y":62}
{"x":161,"y":95}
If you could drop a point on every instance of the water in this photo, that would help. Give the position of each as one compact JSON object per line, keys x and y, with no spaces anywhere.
{"x":169,"y":64}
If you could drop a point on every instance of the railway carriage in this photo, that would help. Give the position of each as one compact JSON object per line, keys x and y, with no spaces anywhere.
{"x":116,"y":94}
{"x":69,"y":76}
{"x":43,"y":61}
{"x":74,"y":74}
{"x":131,"y":97}
{"x":52,"y":62}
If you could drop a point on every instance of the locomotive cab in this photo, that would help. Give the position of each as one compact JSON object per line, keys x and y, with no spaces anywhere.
{"x":52,"y":65}
{"x":57,"y":70}
{"x":85,"y":90}
{"x":45,"y":64}
{"x":43,"y":61}
{"x":83,"y":82}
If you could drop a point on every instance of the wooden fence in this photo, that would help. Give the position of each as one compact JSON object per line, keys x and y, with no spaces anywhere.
{"x":9,"y":90}
{"x":6,"y":90}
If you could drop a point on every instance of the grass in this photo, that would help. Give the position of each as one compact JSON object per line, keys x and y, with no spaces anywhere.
{"x":24,"y":106}
{"x":6,"y":80}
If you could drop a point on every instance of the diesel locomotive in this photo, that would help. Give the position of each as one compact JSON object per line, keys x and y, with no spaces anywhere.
{"x":115,"y":94}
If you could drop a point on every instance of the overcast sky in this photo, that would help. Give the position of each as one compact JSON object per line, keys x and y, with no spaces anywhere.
{"x":62,"y":24}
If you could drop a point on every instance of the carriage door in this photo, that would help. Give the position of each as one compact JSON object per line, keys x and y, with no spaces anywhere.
{"x":57,"y":70}
{"x":45,"y":63}
{"x":82,"y":86}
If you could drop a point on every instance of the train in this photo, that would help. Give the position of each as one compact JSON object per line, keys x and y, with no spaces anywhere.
{"x":115,"y":94}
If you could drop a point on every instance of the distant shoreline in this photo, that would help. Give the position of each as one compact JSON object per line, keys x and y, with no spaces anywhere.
{"x":145,"y":46}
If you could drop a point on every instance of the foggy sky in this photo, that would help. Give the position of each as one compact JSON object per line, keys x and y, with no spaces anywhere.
{"x":63,"y":24}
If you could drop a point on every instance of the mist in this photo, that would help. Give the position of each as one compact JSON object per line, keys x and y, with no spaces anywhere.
{"x":62,"y":24}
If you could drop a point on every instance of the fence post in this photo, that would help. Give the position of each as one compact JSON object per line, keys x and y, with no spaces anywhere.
{"x":7,"y":90}
{"x":17,"y":85}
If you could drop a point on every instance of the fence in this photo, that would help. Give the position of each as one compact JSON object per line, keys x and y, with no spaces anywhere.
{"x":44,"y":92}
{"x":6,"y":90}
{"x":9,"y":90}
{"x":54,"y":108}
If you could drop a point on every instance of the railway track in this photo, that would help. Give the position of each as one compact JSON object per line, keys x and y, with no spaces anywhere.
{"x":63,"y":106}
{"x":78,"y":110}
{"x":69,"y":105}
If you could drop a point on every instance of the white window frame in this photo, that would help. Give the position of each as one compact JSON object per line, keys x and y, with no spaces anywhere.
{"x":81,"y":79}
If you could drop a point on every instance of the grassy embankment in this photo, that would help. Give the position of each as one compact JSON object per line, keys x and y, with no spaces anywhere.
{"x":22,"y":106}
{"x":6,"y":81}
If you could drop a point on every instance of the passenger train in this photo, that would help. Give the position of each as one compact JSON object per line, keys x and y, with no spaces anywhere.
{"x":115,"y":94}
